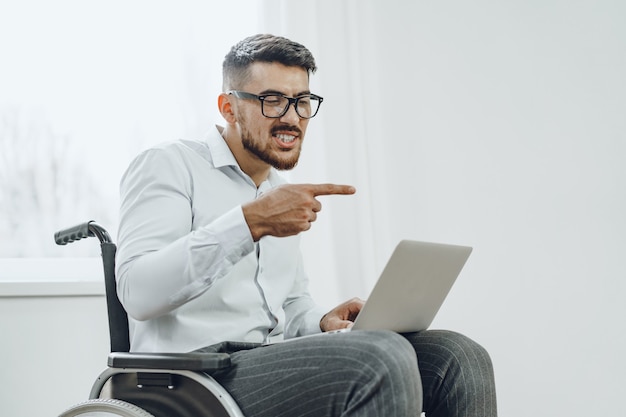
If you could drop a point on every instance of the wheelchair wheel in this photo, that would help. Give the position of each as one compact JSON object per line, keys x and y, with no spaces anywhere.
{"x":105,"y":408}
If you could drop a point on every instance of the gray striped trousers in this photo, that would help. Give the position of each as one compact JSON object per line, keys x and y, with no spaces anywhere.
{"x":365,"y":373}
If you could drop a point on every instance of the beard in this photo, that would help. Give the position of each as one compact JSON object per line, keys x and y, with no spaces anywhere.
{"x":282,"y":159}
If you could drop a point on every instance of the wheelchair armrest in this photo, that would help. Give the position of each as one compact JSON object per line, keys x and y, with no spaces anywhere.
{"x":192,"y":361}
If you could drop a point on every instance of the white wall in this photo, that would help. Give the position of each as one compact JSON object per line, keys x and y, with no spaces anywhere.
{"x":54,"y":337}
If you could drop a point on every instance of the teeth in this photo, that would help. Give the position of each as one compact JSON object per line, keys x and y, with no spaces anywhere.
{"x":286,"y":138}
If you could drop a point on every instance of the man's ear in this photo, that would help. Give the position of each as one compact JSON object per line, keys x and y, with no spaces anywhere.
{"x":226,"y":107}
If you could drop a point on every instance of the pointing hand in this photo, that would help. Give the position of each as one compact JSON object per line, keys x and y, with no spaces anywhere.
{"x":288,"y":209}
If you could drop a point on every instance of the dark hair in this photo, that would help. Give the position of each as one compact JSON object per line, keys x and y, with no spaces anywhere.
{"x":263,"y":48}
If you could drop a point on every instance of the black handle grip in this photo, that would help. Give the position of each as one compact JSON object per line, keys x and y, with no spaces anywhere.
{"x":72,"y":234}
{"x":81,"y":231}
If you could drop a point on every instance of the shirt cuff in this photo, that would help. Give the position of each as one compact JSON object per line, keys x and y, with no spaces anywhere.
{"x":233,"y":233}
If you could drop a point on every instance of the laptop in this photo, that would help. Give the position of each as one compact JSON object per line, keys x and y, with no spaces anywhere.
{"x":410,"y":290}
{"x":412,"y":287}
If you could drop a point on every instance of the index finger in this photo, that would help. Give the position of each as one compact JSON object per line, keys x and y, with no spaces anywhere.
{"x":328,"y":189}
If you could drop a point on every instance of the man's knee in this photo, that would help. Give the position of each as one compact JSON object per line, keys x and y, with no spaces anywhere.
{"x":452,"y":353}
{"x":462,"y":349}
{"x":458,"y":370}
{"x":390,"y":363}
{"x":392,"y":348}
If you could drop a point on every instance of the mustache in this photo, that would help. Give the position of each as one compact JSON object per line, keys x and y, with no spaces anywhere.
{"x":286,"y":128}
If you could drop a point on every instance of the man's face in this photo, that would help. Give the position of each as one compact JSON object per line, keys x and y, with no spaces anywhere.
{"x":276,"y":142}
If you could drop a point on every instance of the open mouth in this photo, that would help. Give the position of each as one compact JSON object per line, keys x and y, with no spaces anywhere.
{"x":285,"y":140}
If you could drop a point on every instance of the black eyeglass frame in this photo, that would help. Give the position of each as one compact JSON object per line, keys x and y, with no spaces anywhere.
{"x":291,"y":100}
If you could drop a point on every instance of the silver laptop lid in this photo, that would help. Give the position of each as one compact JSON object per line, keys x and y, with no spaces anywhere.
{"x":412,"y":287}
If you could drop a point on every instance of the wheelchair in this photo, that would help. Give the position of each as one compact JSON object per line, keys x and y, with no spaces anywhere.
{"x":147,"y":384}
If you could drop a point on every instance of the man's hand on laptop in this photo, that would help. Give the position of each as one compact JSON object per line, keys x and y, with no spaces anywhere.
{"x":342,"y":316}
{"x":288,"y":209}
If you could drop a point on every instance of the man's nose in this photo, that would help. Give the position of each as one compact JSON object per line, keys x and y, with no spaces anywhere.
{"x":291,"y":116}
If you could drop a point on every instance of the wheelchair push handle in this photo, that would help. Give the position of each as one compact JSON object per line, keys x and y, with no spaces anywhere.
{"x":81,"y":231}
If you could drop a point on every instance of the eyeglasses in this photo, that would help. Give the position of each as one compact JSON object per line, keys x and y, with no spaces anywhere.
{"x":276,"y":105}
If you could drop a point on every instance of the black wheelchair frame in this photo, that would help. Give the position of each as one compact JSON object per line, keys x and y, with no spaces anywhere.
{"x":147,"y":384}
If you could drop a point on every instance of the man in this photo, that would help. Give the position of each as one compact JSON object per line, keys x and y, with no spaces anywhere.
{"x":209,"y":252}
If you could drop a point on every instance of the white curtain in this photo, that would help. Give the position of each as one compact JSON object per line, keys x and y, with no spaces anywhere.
{"x":348,"y":142}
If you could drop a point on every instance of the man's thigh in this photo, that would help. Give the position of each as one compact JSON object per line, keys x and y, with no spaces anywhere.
{"x":323,"y":375}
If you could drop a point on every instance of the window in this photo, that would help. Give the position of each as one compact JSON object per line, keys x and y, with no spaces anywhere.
{"x":85,"y":86}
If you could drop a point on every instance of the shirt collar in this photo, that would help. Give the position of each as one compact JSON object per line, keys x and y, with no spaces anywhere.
{"x":220,"y":152}
{"x":222,"y":156}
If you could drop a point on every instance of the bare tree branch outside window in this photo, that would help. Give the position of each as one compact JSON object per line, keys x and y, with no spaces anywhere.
{"x":45,"y":185}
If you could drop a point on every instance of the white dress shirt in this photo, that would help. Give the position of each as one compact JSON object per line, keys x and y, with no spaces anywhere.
{"x":189,"y":274}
